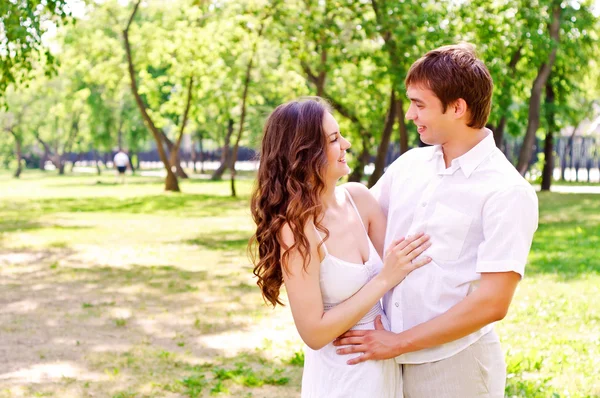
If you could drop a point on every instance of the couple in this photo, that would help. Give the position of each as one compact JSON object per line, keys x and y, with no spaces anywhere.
{"x":456,"y":219}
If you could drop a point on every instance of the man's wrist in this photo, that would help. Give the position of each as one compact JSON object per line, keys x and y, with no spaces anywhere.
{"x":402,"y":345}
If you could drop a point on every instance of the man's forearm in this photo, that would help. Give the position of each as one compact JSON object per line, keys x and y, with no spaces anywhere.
{"x":466,"y":317}
{"x":489,"y":303}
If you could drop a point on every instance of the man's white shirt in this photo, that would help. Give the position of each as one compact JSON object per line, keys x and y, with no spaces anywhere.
{"x":121,"y":159}
{"x":481,"y":216}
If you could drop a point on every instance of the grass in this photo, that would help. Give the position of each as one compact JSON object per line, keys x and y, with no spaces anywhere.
{"x":126,"y":291}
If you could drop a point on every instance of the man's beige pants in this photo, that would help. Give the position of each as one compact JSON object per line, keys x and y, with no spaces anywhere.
{"x":477,"y":371}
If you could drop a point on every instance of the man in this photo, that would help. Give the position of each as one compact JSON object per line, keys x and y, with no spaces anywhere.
{"x":121,"y":161}
{"x":481,"y":216}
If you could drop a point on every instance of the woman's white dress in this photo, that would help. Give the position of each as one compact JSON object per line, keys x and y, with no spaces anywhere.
{"x":326,"y":374}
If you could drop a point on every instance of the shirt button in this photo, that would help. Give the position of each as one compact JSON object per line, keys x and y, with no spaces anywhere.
{"x":397,"y":304}
{"x":424,"y":204}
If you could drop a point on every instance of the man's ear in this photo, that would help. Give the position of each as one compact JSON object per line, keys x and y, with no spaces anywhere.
{"x":459,"y":108}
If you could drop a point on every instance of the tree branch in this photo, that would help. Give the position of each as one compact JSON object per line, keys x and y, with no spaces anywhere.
{"x":185,"y":112}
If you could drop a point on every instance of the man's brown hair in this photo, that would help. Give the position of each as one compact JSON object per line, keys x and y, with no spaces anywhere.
{"x":454,"y":72}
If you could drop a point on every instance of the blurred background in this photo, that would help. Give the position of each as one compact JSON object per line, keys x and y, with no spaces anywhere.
{"x":138,"y":284}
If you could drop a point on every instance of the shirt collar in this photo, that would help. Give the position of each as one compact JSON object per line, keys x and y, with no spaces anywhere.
{"x":470,"y":160}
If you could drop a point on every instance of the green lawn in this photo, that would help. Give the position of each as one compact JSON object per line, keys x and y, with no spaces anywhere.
{"x":125,"y":291}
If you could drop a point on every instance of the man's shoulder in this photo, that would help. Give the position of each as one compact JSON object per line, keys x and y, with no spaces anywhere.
{"x":505,"y":175}
{"x":422,"y":154}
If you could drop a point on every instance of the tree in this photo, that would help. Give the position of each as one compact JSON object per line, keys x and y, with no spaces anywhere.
{"x":171,"y":183}
{"x":339,"y":51}
{"x":22,"y":24}
{"x":395,"y":23}
{"x":266,"y":16}
{"x":536,"y":91}
{"x":573,"y":85}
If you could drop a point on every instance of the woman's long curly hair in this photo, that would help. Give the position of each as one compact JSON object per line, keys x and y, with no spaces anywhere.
{"x":288,"y":188}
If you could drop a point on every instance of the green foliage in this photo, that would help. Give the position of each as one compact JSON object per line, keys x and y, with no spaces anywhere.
{"x":353,"y":53}
{"x":23,"y":24}
{"x":297,"y":359}
{"x":244,"y":375}
{"x":193,"y":385}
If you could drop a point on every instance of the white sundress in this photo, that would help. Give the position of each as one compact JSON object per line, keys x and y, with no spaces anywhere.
{"x":326,"y":374}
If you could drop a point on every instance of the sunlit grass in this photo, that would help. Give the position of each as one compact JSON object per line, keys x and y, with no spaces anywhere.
{"x":143,"y":293}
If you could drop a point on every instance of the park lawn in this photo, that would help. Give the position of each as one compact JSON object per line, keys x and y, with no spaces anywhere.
{"x":125,"y":291}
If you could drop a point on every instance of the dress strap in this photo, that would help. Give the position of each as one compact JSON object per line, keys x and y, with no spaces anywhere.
{"x":357,"y":212}
{"x":321,"y":240}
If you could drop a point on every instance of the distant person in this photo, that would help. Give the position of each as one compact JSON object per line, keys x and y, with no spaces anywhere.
{"x":121,"y":161}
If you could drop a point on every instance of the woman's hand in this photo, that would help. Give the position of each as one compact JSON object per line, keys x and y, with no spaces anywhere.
{"x":398,"y":260}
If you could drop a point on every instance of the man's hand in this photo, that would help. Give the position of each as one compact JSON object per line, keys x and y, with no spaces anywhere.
{"x":374,"y":344}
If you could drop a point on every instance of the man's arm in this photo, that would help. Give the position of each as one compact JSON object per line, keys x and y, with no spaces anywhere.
{"x":489,"y":303}
{"x":509,"y":219}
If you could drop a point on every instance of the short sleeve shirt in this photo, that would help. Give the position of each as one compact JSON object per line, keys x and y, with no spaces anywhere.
{"x":481,"y":215}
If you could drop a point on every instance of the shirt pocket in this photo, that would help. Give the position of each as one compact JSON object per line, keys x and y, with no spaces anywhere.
{"x":448,"y":229}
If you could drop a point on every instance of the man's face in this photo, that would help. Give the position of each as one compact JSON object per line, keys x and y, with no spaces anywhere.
{"x":425,"y":111}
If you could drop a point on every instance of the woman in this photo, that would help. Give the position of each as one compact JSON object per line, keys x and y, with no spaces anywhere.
{"x":325,"y":243}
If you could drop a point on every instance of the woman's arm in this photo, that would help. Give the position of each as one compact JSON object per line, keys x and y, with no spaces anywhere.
{"x":371,"y":213}
{"x":317,"y":327}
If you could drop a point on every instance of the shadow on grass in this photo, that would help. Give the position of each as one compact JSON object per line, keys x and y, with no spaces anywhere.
{"x":568,"y":236}
{"x":222,"y":240}
{"x":162,"y":280}
{"x":107,"y":183}
{"x":161,"y":305}
{"x":188,"y":205}
{"x":16,"y":225}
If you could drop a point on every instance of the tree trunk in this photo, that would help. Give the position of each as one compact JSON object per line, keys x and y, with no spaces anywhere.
{"x":43,"y":159}
{"x":61,"y":164}
{"x":499,"y":132}
{"x":175,"y":161}
{"x":548,"y":170}
{"x":247,"y":80}
{"x":77,"y":159}
{"x":201,"y":147}
{"x":171,"y":183}
{"x":131,"y":165}
{"x":402,"y":127}
{"x":362,"y":159}
{"x":563,"y":161}
{"x":396,"y":67}
{"x":225,"y":154}
{"x":567,"y":158}
{"x":536,"y":94}
{"x":47,"y":152}
{"x":19,"y":154}
{"x":97,"y":160}
{"x":174,"y":157}
{"x":194,"y":156}
{"x":384,"y":145}
{"x":322,"y":73}
{"x":507,"y":99}
{"x":120,"y":137}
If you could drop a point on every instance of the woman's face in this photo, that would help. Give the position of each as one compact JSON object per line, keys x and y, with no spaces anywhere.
{"x":336,"y":149}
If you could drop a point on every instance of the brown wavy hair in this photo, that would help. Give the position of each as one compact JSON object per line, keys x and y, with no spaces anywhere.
{"x":288,"y":188}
